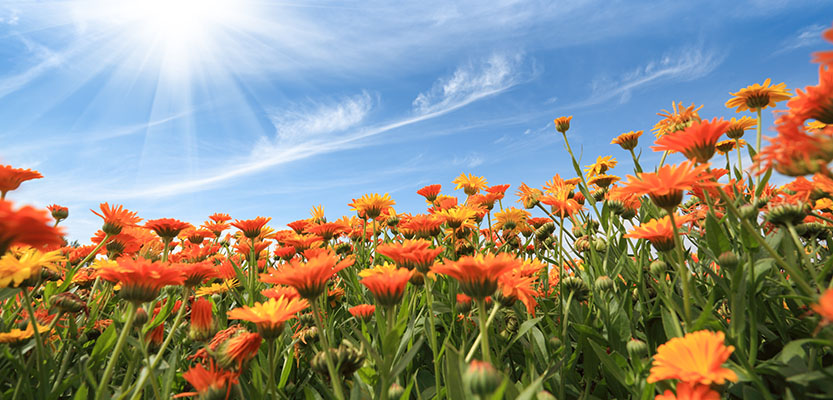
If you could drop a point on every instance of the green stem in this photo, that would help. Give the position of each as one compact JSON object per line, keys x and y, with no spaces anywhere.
{"x":636,"y":166}
{"x":334,"y":377}
{"x":432,"y":333}
{"x":740,"y":158}
{"x":484,"y":331}
{"x":111,"y":365}
{"x":478,"y":340}
{"x":758,"y":132}
{"x":683,"y":271}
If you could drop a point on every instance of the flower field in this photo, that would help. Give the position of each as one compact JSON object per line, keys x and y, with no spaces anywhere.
{"x":701,"y":279}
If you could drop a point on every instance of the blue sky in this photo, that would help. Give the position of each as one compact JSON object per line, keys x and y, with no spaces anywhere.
{"x":183,"y":108}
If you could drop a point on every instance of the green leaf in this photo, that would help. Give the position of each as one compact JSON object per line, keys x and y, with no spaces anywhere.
{"x":82,"y":393}
{"x":716,"y":239}
{"x":400,"y":366}
{"x":104,"y":343}
{"x":164,"y":313}
{"x":453,"y":377}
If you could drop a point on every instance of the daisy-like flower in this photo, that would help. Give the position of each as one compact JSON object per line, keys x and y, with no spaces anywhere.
{"x":676,"y":120}
{"x":816,"y":102}
{"x":281,"y":291}
{"x":498,"y":190}
{"x":251,"y":228}
{"x":11,"y":178}
{"x":328,"y":230}
{"x":60,"y":213}
{"x":689,"y":391}
{"x":387,"y":284}
{"x":27,"y":226}
{"x":410,"y":254}
{"x":363,"y":311}
{"x":430,"y":192}
{"x":20,"y":264}
{"x":372,"y":205}
{"x":271,"y":315}
{"x":603,"y":181}
{"x":308,"y":278}
{"x":166,"y":228}
{"x":824,"y":307}
{"x":601,"y":166}
{"x":423,"y":226}
{"x":211,"y":383}
{"x":737,"y":127}
{"x":235,"y":346}
{"x":755,"y":97}
{"x":696,"y":358}
{"x":216,"y":228}
{"x":478,"y":275}
{"x":627,"y":140}
{"x":659,"y":232}
{"x":561,"y":204}
{"x":510,"y":218}
{"x":217,"y":288}
{"x":219,"y":217}
{"x":562,"y":124}
{"x":725,"y":146}
{"x":666,"y":186}
{"x":528,"y":196}
{"x":116,"y":218}
{"x":15,"y":336}
{"x":458,"y":216}
{"x":141,"y":280}
{"x":202,"y":320}
{"x":825,"y":57}
{"x":696,"y":142}
{"x":197,"y":273}
{"x":470,"y":183}
{"x":514,"y":285}
{"x":317,"y":214}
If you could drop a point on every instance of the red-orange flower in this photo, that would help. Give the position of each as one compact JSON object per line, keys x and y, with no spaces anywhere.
{"x":478,"y":275}
{"x":562,"y":124}
{"x":281,"y":291}
{"x":676,"y":120}
{"x":116,"y":218}
{"x":58,"y":212}
{"x":197,"y":273}
{"x":308,"y":278}
{"x":688,"y":391}
{"x":825,"y":306}
{"x":251,"y":228}
{"x":234,"y":346}
{"x":561,"y":204}
{"x":514,"y":285}
{"x":328,"y":230}
{"x":825,"y":57}
{"x":219,"y":217}
{"x":410,"y":254}
{"x":270,"y":315}
{"x":26,"y":226}
{"x":363,"y":311}
{"x":211,"y":383}
{"x":11,"y":178}
{"x":666,"y":186}
{"x":388,"y":284}
{"x":202,"y":320}
{"x":696,"y":358}
{"x":696,"y":142}
{"x":659,"y":232}
{"x":423,"y":226}
{"x":141,"y":280}
{"x":166,"y":228}
{"x":430,"y":192}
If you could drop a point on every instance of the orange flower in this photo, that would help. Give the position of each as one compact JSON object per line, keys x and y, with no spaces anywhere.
{"x":363,"y":311}
{"x":757,"y":96}
{"x":561,"y":204}
{"x":458,"y":216}
{"x":430,"y":192}
{"x":738,"y":126}
{"x":166,"y":228}
{"x":235,"y":346}
{"x":308,"y":278}
{"x":510,"y":218}
{"x":271,"y":315}
{"x":197,"y":273}
{"x":657,"y":231}
{"x":528,"y":196}
{"x":251,"y":228}
{"x":371,"y":206}
{"x":666,"y":186}
{"x":116,"y":218}
{"x":11,"y":178}
{"x":815,"y":102}
{"x":514,"y":285}
{"x":212,"y":383}
{"x":423,"y":226}
{"x":329,"y":230}
{"x":628,"y":140}
{"x":725,"y":146}
{"x":825,"y":306}
{"x":60,"y":213}
{"x":825,"y":57}
{"x":677,"y":120}
{"x":141,"y":280}
{"x":688,"y":391}
{"x":387,"y":283}
{"x":601,"y":166}
{"x":562,"y":124}
{"x":216,"y":228}
{"x":470,"y":184}
{"x":603,"y":181}
{"x":202,"y":320}
{"x":478,"y":275}
{"x":26,"y":226}
{"x":219,"y":217}
{"x":696,"y":142}
{"x":410,"y":254}
{"x":695,"y":358}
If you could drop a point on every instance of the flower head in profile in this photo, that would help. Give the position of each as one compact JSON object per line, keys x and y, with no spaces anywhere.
{"x":601,"y":166}
{"x":371,"y":206}
{"x":737,"y":127}
{"x":696,"y":358}
{"x":198,"y":272}
{"x":627,"y":140}
{"x":60,"y":213}
{"x":758,"y":96}
{"x":251,"y":228}
{"x":16,"y":335}
{"x":696,"y":142}
{"x":308,"y":278}
{"x":528,"y":196}
{"x":666,"y":186}
{"x":202,"y":320}
{"x":824,"y":307}
{"x":210,"y":383}
{"x":478,"y":275}
{"x":270,"y":315}
{"x":166,"y":228}
{"x":329,"y":230}
{"x":410,"y":254}
{"x":561,"y":204}
{"x":116,"y":218}
{"x":470,"y":183}
{"x":510,"y":218}
{"x":27,"y":226}
{"x":430,"y":192}
{"x":562,"y":124}
{"x":725,"y":146}
{"x":690,"y":391}
{"x":659,"y":232}
{"x":20,"y":264}
{"x":235,"y":346}
{"x":514,"y":285}
{"x":363,"y":311}
{"x":387,"y":284}
{"x":141,"y":279}
{"x":678,"y":119}
{"x":11,"y":178}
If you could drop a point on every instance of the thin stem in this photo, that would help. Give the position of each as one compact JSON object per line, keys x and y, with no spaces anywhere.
{"x":758,"y":132}
{"x":432,"y":333}
{"x":740,"y":158}
{"x":636,"y":165}
{"x":478,"y":339}
{"x":334,"y":377}
{"x":484,"y":331}
{"x":683,"y":271}
{"x":111,"y":365}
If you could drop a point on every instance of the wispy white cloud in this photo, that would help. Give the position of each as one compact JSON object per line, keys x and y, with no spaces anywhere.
{"x":470,"y":160}
{"x":681,"y":66}
{"x":471,"y":82}
{"x":805,"y":37}
{"x":311,"y":121}
{"x":44,"y":60}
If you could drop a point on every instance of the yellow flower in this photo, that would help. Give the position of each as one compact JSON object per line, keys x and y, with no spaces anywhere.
{"x":696,"y":358}
{"x":628,"y":140}
{"x":217,"y":288}
{"x":470,"y":184}
{"x":22,"y":263}
{"x":562,"y":124}
{"x":16,"y":335}
{"x":757,"y":96}
{"x":377,"y":270}
{"x":601,"y":166}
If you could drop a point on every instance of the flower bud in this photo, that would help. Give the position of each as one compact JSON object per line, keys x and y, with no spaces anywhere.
{"x":395,"y":391}
{"x":604,"y":283}
{"x":748,"y":211}
{"x":482,"y":378}
{"x":728,"y":260}
{"x":658,"y":268}
{"x":68,"y":302}
{"x":141,"y":317}
{"x":637,"y":348}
